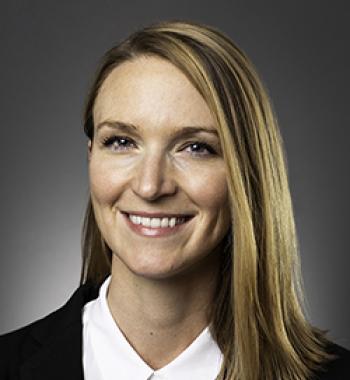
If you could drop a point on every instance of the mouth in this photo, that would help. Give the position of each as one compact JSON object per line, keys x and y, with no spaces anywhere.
{"x":156,"y":226}
{"x":157,"y":220}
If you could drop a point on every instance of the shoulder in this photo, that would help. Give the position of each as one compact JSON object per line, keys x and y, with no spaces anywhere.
{"x":21,"y":344}
{"x":339,"y":368}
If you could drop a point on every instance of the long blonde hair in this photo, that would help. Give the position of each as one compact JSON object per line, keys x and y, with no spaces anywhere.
{"x":259,"y":320}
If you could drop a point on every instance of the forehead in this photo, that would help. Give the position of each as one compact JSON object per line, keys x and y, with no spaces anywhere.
{"x":150,"y":89}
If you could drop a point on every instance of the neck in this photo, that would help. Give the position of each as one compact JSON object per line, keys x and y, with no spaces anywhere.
{"x":161,"y":317}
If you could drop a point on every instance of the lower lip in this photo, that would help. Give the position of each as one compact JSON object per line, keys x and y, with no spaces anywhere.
{"x":154,"y":232}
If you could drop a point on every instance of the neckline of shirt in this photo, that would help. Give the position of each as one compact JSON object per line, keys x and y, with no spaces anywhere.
{"x":115,"y":355}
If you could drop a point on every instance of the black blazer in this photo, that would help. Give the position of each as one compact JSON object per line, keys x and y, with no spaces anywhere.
{"x":51,"y":348}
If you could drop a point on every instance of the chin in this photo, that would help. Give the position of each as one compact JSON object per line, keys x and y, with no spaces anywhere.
{"x":155,"y":267}
{"x":159,"y":271}
{"x":158,"y":266}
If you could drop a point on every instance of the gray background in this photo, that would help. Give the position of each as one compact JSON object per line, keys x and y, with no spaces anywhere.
{"x":49,"y":51}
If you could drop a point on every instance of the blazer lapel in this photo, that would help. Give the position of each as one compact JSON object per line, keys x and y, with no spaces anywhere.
{"x":55,"y":346}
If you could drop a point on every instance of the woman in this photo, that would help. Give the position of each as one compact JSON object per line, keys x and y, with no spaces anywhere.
{"x":190,"y":257}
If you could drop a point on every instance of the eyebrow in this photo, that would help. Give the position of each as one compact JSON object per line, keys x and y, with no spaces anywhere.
{"x":131,"y":128}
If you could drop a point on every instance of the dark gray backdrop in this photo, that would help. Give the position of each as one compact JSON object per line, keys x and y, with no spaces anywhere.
{"x":49,"y":51}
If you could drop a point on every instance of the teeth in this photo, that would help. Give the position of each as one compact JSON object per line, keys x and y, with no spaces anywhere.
{"x":135,"y":219}
{"x":164,"y":222}
{"x":156,"y":222}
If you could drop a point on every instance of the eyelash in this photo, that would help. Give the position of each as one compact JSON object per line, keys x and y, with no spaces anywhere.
{"x":109,"y":141}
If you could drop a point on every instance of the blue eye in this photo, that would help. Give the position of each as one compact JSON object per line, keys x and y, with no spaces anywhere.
{"x":117,"y":142}
{"x":123,"y":143}
{"x":201,"y":148}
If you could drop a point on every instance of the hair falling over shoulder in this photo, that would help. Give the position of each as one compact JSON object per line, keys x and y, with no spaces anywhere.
{"x":259,"y":320}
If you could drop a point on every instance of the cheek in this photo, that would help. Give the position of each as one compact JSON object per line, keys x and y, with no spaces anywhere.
{"x":209,"y":188}
{"x":106,"y":181}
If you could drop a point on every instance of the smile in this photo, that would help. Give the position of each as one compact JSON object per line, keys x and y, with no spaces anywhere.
{"x":155,"y":227}
{"x":156,"y":222}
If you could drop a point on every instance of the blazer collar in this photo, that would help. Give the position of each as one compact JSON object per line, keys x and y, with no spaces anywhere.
{"x":55,"y":344}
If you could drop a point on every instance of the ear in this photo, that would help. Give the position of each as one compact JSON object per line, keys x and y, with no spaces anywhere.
{"x":89,"y":149}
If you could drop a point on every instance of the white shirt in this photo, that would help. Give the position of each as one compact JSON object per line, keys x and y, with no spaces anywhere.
{"x":107,"y":355}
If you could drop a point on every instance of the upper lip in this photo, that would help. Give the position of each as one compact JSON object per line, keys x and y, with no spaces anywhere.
{"x":158,"y":214}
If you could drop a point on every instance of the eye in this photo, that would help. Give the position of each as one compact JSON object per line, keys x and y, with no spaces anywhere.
{"x":201,"y":148}
{"x":117,"y":143}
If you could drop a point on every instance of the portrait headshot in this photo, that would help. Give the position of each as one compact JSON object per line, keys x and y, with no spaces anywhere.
{"x":174,"y":198}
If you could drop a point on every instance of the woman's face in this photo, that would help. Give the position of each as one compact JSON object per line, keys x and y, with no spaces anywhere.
{"x":156,"y":151}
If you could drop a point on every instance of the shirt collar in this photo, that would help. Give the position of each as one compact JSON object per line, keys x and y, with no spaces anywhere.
{"x":114,"y":354}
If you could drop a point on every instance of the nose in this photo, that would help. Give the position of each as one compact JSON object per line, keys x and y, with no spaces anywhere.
{"x":153,"y":177}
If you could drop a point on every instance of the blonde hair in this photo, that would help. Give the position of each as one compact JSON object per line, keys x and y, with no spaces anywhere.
{"x":259,"y":318}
